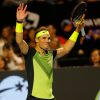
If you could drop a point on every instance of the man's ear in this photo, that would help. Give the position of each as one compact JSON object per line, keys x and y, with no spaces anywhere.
{"x":36,"y":40}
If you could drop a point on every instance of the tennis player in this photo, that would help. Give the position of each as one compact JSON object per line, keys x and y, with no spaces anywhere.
{"x":39,"y":60}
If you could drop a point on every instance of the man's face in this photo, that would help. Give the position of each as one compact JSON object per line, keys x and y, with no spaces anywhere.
{"x":44,"y":41}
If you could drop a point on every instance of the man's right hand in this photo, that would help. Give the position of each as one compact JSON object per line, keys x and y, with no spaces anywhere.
{"x":21,"y":12}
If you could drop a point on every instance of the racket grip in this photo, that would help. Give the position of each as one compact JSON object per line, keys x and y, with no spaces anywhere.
{"x":83,"y":31}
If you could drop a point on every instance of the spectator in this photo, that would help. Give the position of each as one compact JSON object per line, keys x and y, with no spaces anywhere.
{"x":85,"y":44}
{"x":96,"y":39}
{"x":55,"y":43}
{"x":5,"y":36}
{"x":31,"y":37}
{"x":67,"y":28}
{"x":14,"y":62}
{"x":3,"y":66}
{"x":95,"y":58}
{"x":88,"y":43}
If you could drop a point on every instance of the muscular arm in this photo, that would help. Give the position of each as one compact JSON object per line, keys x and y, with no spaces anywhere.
{"x":69,"y":44}
{"x":20,"y":15}
{"x":22,"y":44}
{"x":65,"y":49}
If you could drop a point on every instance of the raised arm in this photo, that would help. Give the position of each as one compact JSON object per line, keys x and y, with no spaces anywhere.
{"x":69,"y":44}
{"x":21,"y":14}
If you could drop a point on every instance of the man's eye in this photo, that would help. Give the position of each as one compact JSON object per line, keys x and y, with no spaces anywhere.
{"x":44,"y":37}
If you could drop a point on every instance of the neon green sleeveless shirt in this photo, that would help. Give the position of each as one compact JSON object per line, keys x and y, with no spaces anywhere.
{"x":43,"y":75}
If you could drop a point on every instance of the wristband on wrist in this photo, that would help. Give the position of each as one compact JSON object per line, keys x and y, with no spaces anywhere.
{"x":74,"y":36}
{"x":19,"y":21}
{"x":19,"y":27}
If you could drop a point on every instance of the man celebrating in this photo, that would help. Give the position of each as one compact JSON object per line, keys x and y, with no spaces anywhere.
{"x":39,"y":60}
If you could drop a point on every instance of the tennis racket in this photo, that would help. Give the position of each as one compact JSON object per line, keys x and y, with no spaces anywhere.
{"x":78,"y":12}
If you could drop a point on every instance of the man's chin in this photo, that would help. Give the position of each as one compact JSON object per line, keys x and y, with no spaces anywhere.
{"x":47,"y":48}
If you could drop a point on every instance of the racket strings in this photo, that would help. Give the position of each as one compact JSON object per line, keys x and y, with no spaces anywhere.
{"x":78,"y":11}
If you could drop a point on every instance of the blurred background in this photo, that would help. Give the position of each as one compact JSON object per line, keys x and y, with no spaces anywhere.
{"x":82,"y":63}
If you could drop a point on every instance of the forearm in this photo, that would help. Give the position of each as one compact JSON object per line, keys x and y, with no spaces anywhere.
{"x":68,"y":45}
{"x":19,"y":32}
{"x":71,"y":41}
{"x":19,"y":38}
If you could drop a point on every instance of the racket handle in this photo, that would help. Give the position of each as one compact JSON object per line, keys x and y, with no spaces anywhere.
{"x":83,"y":31}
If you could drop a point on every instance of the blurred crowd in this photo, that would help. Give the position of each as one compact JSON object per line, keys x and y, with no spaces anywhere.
{"x":87,"y":47}
{"x":10,"y":54}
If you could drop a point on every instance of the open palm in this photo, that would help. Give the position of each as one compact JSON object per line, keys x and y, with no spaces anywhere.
{"x":21,"y":12}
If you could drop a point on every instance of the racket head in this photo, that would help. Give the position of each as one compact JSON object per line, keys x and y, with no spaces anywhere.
{"x":78,"y":11}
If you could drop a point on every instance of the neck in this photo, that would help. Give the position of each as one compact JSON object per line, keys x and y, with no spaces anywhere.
{"x":40,"y":50}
